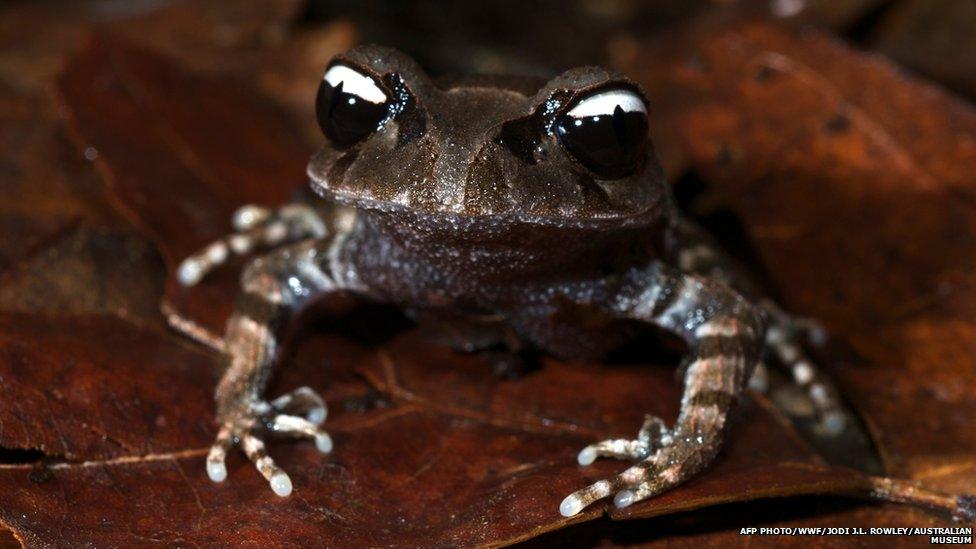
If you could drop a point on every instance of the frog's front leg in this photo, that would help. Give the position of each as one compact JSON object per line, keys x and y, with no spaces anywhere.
{"x":256,"y":227}
{"x":272,"y":289}
{"x":724,"y":333}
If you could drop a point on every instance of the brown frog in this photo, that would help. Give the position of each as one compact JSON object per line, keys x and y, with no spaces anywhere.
{"x":525,"y":214}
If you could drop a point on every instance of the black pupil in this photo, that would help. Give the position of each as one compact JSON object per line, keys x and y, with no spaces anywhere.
{"x":610,"y":145}
{"x":346,"y":118}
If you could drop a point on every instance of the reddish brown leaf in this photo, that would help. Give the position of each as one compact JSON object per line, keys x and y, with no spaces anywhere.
{"x":69,"y":391}
{"x":53,"y":185}
{"x":219,"y":35}
{"x":762,"y":458}
{"x":176,"y":145}
{"x":421,"y":472}
{"x":139,"y":111}
{"x":50,"y":185}
{"x":88,"y":271}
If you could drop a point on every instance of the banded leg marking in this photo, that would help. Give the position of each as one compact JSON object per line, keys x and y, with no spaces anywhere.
{"x":256,"y":227}
{"x":255,"y":451}
{"x":696,"y":251}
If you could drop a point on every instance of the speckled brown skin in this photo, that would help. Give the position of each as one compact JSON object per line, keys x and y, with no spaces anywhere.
{"x":466,"y":208}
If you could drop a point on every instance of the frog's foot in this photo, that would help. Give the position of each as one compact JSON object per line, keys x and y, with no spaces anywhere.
{"x":784,"y":338}
{"x":664,"y":460}
{"x":256,"y":226}
{"x":296,"y":414}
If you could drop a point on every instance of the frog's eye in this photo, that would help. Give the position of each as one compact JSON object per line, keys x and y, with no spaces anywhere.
{"x":349,"y":105}
{"x":606,"y":131}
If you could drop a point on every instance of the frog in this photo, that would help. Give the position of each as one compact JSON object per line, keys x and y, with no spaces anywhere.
{"x":521,"y":213}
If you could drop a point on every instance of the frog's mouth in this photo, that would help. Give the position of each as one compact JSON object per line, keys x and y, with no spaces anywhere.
{"x":325,"y":166}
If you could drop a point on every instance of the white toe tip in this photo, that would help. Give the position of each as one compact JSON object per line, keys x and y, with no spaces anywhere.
{"x":247,"y":216}
{"x":317,"y":415}
{"x":624,"y":498}
{"x":217,"y":471}
{"x":189,"y":273}
{"x":281,"y":484}
{"x":570,"y":506}
{"x":323,"y":442}
{"x":586,"y":456}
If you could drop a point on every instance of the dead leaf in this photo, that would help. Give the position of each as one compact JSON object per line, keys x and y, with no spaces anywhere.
{"x":96,"y":387}
{"x":87,"y":271}
{"x":157,"y":120}
{"x":411,"y":468}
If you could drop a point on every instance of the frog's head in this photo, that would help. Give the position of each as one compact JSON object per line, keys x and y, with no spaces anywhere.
{"x":571,"y":151}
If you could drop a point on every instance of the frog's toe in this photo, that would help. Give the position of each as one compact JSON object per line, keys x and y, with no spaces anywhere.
{"x":279,"y":480}
{"x":253,"y":447}
{"x":300,"y":427}
{"x":216,"y":466}
{"x":664,"y":460}
{"x":624,"y":487}
{"x":784,"y":340}
{"x":302,"y":401}
{"x":652,"y":435}
{"x":620,"y":448}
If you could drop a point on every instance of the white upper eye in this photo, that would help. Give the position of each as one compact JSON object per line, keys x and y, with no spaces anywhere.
{"x":355,"y":83}
{"x":604,"y":103}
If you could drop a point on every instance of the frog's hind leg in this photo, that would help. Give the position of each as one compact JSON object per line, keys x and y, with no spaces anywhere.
{"x":256,"y":227}
{"x":695,"y":251}
{"x":784,"y":340}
